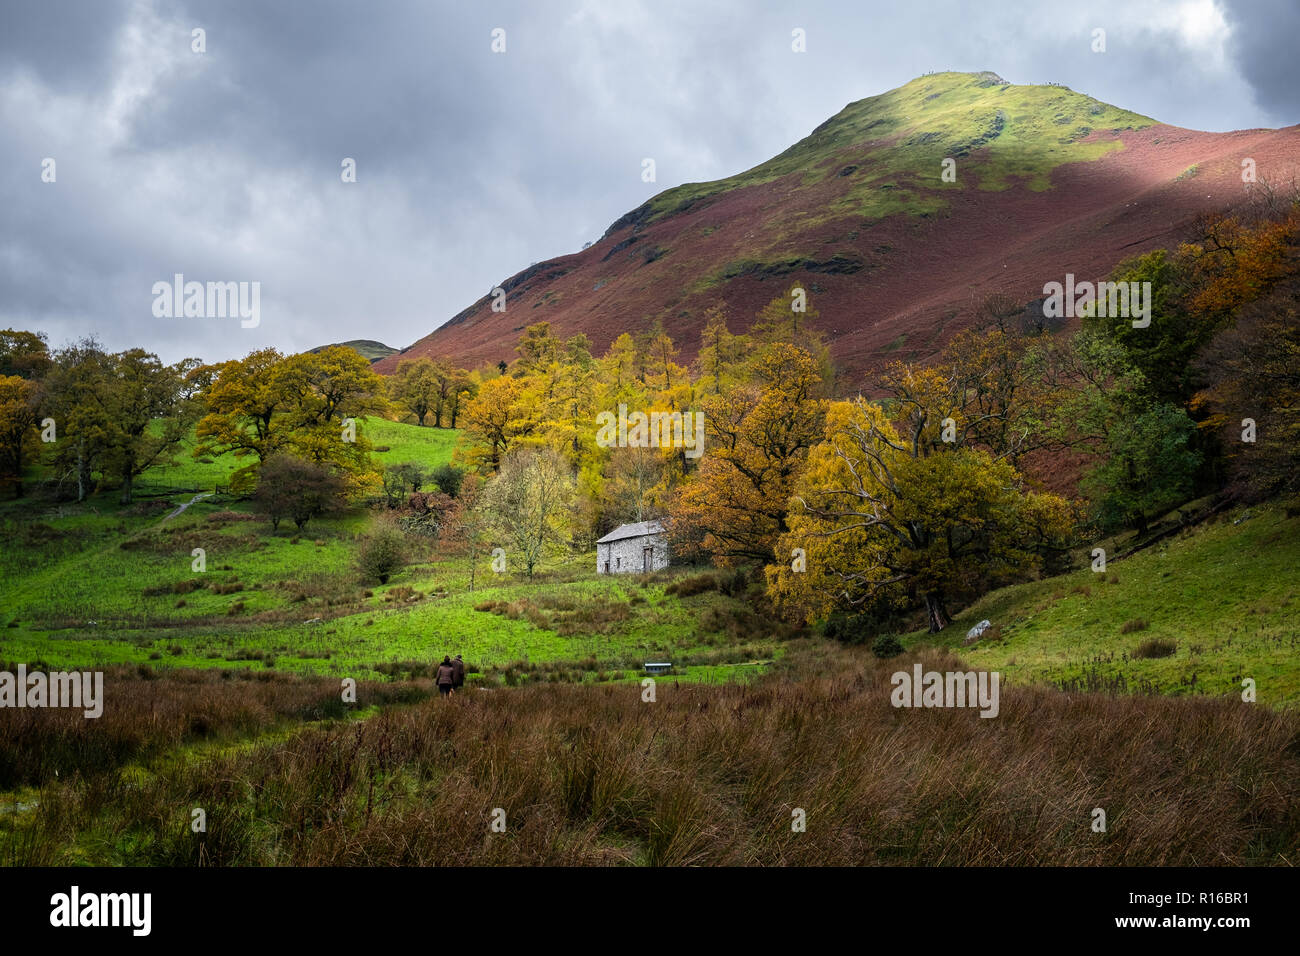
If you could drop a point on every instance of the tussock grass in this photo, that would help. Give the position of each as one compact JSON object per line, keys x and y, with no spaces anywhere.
{"x":147,"y":713}
{"x":711,"y":775}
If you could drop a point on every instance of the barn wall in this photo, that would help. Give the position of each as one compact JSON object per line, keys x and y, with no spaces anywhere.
{"x":628,"y":552}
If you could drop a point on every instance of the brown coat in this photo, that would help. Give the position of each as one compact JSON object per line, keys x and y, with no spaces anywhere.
{"x":458,"y":673}
{"x":446,"y":675}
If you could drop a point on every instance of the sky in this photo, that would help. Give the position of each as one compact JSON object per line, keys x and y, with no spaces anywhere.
{"x":227,"y":164}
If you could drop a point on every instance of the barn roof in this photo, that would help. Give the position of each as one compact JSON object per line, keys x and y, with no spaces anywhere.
{"x":638,"y":530}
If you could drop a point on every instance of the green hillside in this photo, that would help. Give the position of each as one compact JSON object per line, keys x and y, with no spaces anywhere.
{"x":395,"y":442}
{"x":368,"y":348}
{"x":896,"y":142}
{"x":1227,"y":595}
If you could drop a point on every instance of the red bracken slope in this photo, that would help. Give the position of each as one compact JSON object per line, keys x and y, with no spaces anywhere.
{"x":894,"y":260}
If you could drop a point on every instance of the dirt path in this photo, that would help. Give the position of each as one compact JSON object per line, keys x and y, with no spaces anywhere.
{"x":184,"y":506}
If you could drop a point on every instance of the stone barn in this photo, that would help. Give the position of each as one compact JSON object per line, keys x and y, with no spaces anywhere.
{"x":633,"y":548}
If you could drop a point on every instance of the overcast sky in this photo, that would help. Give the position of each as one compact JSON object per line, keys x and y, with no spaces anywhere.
{"x":225,"y":164}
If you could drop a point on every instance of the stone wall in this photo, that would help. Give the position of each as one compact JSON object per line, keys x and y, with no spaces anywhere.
{"x":626,"y":555}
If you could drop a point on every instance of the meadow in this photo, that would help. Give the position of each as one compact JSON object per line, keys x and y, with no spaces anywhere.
{"x":100,"y":584}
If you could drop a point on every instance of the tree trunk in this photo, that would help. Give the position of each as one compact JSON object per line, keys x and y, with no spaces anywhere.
{"x":127,"y":481}
{"x":81,"y":472}
{"x":18,"y":470}
{"x":937,"y":611}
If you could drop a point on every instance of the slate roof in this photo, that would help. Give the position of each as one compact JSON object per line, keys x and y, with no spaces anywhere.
{"x":637,"y":530}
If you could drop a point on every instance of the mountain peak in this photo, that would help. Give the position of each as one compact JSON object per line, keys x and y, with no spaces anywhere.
{"x":897,"y":215}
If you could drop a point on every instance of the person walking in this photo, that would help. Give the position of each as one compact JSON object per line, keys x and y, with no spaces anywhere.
{"x":446,"y":676}
{"x":458,"y":673}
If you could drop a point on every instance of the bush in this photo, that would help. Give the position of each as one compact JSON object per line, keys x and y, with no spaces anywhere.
{"x":448,"y":478}
{"x":886,"y":646}
{"x":381,"y":554}
{"x":1155,"y":647}
{"x":848,"y":628}
{"x":289,"y":487}
{"x":1137,"y":624}
{"x":734,"y":583}
{"x":695,"y":584}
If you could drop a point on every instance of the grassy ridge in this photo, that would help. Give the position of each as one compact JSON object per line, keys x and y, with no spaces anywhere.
{"x":901,"y":137}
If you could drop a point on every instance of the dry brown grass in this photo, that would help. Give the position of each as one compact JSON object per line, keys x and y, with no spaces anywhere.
{"x":711,"y":774}
{"x":147,"y":713}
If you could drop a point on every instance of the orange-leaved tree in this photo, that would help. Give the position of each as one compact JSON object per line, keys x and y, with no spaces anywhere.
{"x":757,"y":437}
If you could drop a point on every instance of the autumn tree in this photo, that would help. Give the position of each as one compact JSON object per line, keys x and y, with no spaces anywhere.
{"x":247,"y":403}
{"x":721,"y":359}
{"x":1233,"y":262}
{"x":1002,"y":397}
{"x":500,"y":415}
{"x":415,"y":388}
{"x":569,"y":419}
{"x":18,"y":418}
{"x":529,"y":501}
{"x":1252,"y":396}
{"x":538,"y":349}
{"x":634,"y":489}
{"x":266,"y":403}
{"x":757,"y":437}
{"x":791,"y":319}
{"x":873,"y":523}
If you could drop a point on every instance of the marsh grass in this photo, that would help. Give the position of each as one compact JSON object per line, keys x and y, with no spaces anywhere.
{"x":710,"y":775}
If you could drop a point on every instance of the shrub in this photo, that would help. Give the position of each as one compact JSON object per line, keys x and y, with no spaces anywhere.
{"x":734,"y":582}
{"x":849,"y":628}
{"x":448,"y":478}
{"x":382,"y":553}
{"x":695,"y":584}
{"x":289,"y":487}
{"x":886,"y":646}
{"x":1130,"y":627}
{"x":1155,"y":647}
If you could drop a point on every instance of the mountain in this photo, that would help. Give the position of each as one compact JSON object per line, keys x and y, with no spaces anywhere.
{"x":369,"y":349}
{"x":896,"y":260}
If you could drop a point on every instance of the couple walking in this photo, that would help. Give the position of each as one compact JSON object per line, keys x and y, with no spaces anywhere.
{"x":451,"y":675}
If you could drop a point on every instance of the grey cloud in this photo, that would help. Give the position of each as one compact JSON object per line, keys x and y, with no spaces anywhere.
{"x":471,"y":165}
{"x":1264,"y":36}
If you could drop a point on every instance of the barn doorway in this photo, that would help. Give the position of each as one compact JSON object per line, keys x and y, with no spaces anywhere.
{"x":647,"y":558}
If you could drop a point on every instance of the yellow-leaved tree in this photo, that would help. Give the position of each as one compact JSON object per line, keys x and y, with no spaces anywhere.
{"x":757,"y":436}
{"x":884,"y":521}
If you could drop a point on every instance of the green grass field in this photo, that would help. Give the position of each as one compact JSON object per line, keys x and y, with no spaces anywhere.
{"x":1226,"y":594}
{"x":395,"y":442}
{"x":100,"y":584}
